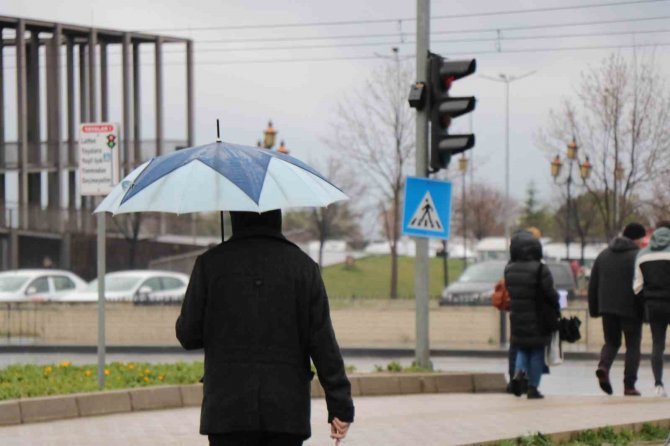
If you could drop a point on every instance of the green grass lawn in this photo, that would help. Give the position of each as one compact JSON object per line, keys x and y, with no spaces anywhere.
{"x":370,"y":277}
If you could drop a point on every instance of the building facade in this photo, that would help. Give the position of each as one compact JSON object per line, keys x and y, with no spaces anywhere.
{"x":54,"y":76}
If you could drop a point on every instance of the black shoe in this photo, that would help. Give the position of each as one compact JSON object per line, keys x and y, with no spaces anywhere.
{"x":534,"y":394}
{"x":517,"y":383}
{"x":604,"y":380}
{"x":508,"y":389}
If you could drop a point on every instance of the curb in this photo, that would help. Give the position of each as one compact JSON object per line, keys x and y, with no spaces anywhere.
{"x":32,"y":410}
{"x":566,"y":436}
{"x":352,"y":352}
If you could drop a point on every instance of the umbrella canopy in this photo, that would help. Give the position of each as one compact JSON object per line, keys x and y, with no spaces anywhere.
{"x":220,"y":177}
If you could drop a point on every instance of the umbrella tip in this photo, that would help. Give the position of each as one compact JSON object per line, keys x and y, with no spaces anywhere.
{"x":218,"y":132}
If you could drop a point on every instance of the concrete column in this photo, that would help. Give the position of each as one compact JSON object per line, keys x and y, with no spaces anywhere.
{"x":83,"y":84}
{"x":71,"y":120}
{"x":2,"y":104}
{"x":33,"y":94}
{"x":125,"y":81}
{"x":104,"y":84}
{"x":13,"y":248}
{"x":159,"y":95}
{"x":189,"y":93}
{"x":92,"y":78}
{"x":137,"y":104}
{"x":66,"y":251}
{"x":22,"y":122}
{"x":54,"y":106}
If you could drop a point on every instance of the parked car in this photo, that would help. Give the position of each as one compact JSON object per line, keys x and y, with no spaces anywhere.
{"x":23,"y":285}
{"x":475,"y":285}
{"x":138,"y":286}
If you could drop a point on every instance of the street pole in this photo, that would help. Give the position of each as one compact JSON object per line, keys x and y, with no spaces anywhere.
{"x":507,"y":79}
{"x":422,"y":353}
{"x":101,"y":299}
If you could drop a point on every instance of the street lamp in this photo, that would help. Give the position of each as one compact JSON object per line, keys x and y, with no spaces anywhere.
{"x":282,"y":148}
{"x":584,"y":173}
{"x":507,"y":79}
{"x":463,"y":168}
{"x":269,"y":136}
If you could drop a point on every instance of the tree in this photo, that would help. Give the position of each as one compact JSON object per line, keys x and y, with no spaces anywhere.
{"x":534,"y":213}
{"x":621,"y":120}
{"x":484,"y":217}
{"x":339,"y":220}
{"x":129,"y":226}
{"x":374,"y":129}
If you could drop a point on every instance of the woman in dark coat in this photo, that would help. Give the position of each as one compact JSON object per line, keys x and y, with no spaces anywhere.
{"x":531,"y":289}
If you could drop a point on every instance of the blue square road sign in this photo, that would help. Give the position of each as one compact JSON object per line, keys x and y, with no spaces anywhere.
{"x":427,"y":211}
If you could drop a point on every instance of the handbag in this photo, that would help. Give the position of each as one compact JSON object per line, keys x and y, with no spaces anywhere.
{"x":553,"y":353}
{"x":547,"y":316}
{"x":500,"y":297}
{"x":569,"y":329}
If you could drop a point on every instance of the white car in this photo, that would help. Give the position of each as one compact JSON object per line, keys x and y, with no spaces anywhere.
{"x":139,"y":286}
{"x":23,"y":285}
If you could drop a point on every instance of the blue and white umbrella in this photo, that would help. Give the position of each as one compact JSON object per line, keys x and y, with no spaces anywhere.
{"x":220,"y":177}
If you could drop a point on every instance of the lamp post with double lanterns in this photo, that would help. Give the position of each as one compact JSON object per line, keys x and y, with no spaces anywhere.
{"x":463,"y":168}
{"x":269,"y":137}
{"x":584,"y":173}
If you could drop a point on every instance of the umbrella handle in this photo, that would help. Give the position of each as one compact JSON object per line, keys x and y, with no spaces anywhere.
{"x":222,"y":233}
{"x":218,"y":134}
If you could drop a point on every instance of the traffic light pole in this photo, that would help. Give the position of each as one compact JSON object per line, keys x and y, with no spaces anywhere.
{"x":422,"y":355}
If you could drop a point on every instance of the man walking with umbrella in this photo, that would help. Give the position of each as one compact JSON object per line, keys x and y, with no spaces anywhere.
{"x":258,"y":306}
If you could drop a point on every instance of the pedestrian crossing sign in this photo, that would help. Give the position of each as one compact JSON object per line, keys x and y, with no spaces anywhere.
{"x":427,"y":211}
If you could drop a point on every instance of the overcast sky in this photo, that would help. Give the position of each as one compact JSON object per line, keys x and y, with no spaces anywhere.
{"x":245,"y":88}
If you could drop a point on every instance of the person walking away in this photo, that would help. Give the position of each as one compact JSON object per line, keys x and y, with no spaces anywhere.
{"x":652,"y":285}
{"x":531,"y":288}
{"x":258,"y":307}
{"x":611,"y":297}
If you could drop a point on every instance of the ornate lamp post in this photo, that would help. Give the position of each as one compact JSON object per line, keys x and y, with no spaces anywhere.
{"x":269,"y":136}
{"x":463,"y":168}
{"x":584,"y":172}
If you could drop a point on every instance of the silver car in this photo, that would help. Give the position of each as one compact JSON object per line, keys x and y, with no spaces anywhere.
{"x":23,"y":285}
{"x":138,"y":286}
{"x":475,"y":285}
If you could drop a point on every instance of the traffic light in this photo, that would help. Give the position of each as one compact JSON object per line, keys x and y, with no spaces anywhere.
{"x":442,"y":73}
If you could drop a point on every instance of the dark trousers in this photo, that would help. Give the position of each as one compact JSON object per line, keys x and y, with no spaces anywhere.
{"x":255,"y":439}
{"x":658,"y":331}
{"x":613,"y":327}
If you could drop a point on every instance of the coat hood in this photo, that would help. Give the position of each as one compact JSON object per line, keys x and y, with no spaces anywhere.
{"x":243,"y":221}
{"x":524,"y":247}
{"x":660,"y":239}
{"x":620,"y":244}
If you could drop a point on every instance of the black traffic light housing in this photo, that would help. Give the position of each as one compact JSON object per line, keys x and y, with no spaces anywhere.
{"x":443,"y":108}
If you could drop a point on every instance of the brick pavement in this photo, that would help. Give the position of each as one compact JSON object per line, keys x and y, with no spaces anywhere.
{"x":388,"y":421}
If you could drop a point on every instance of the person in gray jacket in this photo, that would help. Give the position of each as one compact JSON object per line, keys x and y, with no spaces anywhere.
{"x":611,"y":297}
{"x":652,"y":284}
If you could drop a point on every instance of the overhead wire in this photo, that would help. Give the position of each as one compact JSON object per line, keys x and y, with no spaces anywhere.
{"x":396,"y":19}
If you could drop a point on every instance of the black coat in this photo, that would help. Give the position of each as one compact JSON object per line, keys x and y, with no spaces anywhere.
{"x":521,"y":279}
{"x":610,"y":285}
{"x":652,"y":276}
{"x":258,"y":306}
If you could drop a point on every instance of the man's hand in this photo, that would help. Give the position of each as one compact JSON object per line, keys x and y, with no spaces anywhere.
{"x":338,"y":430}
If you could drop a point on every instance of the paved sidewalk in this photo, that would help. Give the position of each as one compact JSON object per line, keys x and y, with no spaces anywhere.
{"x":389,"y":421}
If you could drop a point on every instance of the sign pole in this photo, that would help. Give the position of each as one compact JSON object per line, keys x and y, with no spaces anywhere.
{"x":98,"y":174}
{"x":101,"y":299}
{"x":422,"y":352}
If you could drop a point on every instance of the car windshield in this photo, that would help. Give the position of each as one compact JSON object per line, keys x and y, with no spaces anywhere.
{"x":12,"y":283}
{"x":562,"y":275}
{"x":116,"y":283}
{"x":483,"y":272}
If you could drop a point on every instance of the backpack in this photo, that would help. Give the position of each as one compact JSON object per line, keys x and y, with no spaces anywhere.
{"x":500,"y":297}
